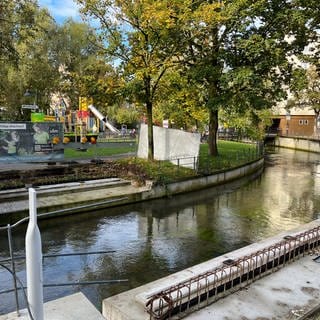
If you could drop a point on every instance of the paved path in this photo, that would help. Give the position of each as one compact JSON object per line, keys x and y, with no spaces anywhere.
{"x":91,"y":194}
{"x":73,"y":307}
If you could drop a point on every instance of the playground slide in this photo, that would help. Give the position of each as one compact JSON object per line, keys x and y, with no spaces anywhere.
{"x":101,"y":117}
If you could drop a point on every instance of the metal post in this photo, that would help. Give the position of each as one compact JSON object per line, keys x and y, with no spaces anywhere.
{"x":34,"y":260}
{"x":13,"y":268}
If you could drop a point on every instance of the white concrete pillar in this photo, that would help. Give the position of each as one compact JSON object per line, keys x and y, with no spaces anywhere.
{"x":34,"y":260}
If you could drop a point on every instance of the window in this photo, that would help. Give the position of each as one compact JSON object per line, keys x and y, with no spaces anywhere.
{"x":303,"y":122}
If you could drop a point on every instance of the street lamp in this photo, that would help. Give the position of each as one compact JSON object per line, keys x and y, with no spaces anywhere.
{"x":288,"y":118}
{"x":33,"y":106}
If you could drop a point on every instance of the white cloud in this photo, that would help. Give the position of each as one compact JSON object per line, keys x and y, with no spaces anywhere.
{"x":61,"y":9}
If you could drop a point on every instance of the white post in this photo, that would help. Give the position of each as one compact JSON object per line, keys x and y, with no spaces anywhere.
{"x":34,"y":260}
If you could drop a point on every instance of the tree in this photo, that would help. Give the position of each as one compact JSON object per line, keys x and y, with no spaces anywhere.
{"x":28,"y":65}
{"x":15,"y":16}
{"x":77,"y":49}
{"x":237,"y":50}
{"x":306,"y":90}
{"x":181,"y":102}
{"x":141,"y":37}
{"x":248,"y":124}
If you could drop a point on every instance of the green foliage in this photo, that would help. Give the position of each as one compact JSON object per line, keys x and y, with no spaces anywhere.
{"x":181,"y":102}
{"x":160,"y":171}
{"x":84,"y":71}
{"x":31,"y":66}
{"x":250,"y":124}
{"x":182,"y":60}
{"x":306,"y":88}
{"x":142,"y":36}
{"x":127,"y":115}
{"x":238,"y":53}
{"x":17,"y":22}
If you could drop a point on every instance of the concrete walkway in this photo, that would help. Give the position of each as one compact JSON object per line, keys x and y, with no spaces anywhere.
{"x":91,"y":193}
{"x":289,"y":293}
{"x":73,"y":307}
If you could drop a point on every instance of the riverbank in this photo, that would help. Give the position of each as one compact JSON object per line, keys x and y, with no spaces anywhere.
{"x":95,"y":194}
{"x":235,"y":218}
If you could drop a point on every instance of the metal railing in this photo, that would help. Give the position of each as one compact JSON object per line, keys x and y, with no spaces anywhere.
{"x":186,"y":162}
{"x":209,"y":286}
{"x":18,"y":284}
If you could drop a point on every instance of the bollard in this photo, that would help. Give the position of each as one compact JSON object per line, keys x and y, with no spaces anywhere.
{"x":34,"y":261}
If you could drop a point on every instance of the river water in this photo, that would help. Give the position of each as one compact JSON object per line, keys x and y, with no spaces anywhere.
{"x":146,"y":241}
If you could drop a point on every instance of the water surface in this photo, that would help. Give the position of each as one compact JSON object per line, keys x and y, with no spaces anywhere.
{"x":146,"y":241}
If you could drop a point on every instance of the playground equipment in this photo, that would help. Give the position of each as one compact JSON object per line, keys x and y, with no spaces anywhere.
{"x":82,"y":125}
{"x":102,"y":118}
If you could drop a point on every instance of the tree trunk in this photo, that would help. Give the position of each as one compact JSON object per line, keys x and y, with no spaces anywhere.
{"x":148,"y":102}
{"x":213,"y":129}
{"x":150,"y":131}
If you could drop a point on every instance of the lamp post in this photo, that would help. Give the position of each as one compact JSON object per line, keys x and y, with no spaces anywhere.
{"x":288,"y":118}
{"x":33,"y":106}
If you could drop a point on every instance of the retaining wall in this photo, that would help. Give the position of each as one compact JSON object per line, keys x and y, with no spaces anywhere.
{"x":304,"y":144}
{"x":60,"y":200}
{"x":195,"y":184}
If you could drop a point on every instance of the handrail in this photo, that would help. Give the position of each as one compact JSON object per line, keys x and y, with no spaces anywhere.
{"x":12,"y":259}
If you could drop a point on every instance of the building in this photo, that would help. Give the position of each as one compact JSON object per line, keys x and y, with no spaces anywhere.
{"x":300,"y":122}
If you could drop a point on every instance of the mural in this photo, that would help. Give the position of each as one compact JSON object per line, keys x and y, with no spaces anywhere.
{"x":30,"y":141}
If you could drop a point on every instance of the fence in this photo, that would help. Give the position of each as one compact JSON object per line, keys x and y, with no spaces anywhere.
{"x":206,"y":165}
{"x":208,"y":287}
{"x":209,"y":165}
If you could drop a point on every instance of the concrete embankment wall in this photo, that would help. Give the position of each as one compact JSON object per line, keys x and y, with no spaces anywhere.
{"x":304,"y":144}
{"x":199,"y":183}
{"x":92,"y":195}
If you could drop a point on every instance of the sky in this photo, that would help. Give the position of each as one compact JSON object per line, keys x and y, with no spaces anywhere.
{"x":61,"y":10}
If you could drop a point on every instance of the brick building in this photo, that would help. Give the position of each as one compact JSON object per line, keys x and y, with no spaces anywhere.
{"x":300,"y":122}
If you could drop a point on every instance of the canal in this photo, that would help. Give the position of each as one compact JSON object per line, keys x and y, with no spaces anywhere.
{"x":149,"y":240}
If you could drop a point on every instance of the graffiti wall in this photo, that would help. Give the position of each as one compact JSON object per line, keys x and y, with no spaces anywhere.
{"x":30,"y":141}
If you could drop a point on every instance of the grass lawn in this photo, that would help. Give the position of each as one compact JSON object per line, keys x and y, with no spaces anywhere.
{"x":95,"y":151}
{"x":231,"y":154}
